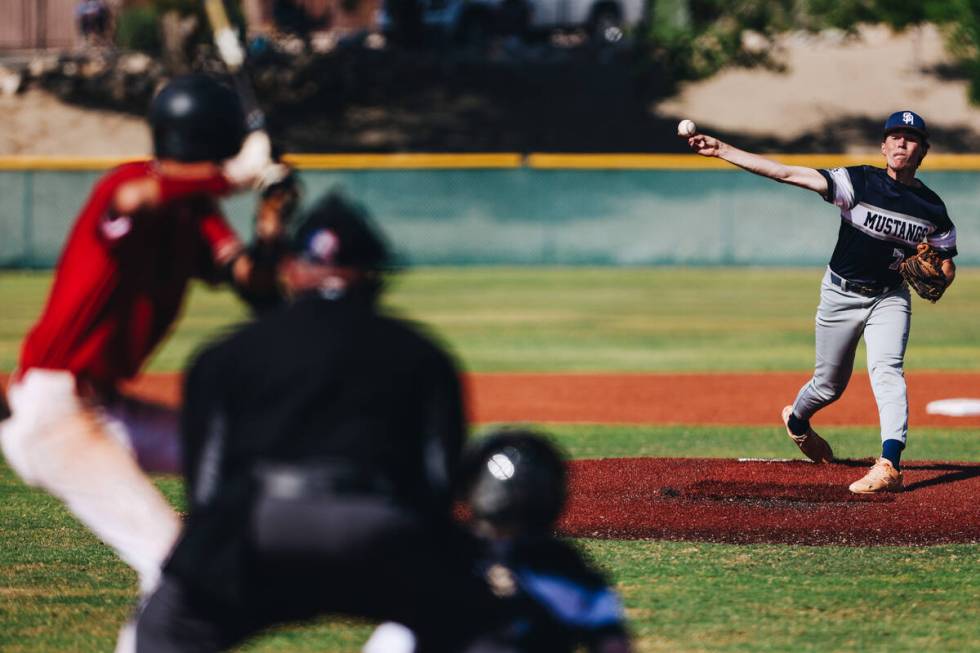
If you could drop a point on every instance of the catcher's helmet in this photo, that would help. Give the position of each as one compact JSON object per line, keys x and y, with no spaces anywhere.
{"x":337,"y":232}
{"x":196,"y":118}
{"x":514,"y":480}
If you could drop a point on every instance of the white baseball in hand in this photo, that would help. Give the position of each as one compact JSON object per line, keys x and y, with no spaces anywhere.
{"x":686,"y":128}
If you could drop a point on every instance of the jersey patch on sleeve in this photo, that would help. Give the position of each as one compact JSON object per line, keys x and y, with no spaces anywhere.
{"x":113,"y":227}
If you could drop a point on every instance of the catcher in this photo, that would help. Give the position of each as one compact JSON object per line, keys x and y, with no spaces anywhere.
{"x":893,"y":229}
{"x":547,"y":595}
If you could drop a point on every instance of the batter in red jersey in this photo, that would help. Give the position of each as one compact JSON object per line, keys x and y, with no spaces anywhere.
{"x":147,"y":229}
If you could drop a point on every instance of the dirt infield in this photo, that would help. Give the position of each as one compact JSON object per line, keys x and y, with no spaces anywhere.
{"x":726,"y":500}
{"x":793,"y":502}
{"x":732,"y":399}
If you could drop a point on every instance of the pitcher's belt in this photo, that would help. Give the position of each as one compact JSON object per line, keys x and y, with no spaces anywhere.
{"x":867,"y":289}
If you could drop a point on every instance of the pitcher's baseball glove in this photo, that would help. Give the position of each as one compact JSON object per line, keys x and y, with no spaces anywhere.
{"x":924,"y":273}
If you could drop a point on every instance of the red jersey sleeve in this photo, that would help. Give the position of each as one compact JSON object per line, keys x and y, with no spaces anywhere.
{"x":221,"y":243}
{"x":172,"y":188}
{"x":114,"y":227}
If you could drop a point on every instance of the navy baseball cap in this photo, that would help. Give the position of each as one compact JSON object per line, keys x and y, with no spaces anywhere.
{"x":909,"y":120}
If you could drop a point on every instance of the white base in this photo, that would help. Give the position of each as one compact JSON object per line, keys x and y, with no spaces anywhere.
{"x":954,"y":407}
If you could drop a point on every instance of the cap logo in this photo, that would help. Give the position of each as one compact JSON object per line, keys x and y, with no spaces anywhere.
{"x":324,"y":245}
{"x":908,"y":118}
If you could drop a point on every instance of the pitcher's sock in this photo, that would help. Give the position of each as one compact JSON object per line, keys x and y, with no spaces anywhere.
{"x":796,"y":425}
{"x":891,"y":450}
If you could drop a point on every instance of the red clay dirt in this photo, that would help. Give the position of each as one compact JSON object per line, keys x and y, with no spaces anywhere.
{"x":732,"y":399}
{"x":726,"y":500}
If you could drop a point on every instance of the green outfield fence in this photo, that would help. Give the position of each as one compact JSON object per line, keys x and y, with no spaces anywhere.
{"x":528,"y":209}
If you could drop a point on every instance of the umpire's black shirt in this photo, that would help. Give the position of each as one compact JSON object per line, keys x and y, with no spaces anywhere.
{"x":325,"y":379}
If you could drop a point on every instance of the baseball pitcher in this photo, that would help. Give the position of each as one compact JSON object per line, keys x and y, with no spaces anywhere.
{"x":894,"y":233}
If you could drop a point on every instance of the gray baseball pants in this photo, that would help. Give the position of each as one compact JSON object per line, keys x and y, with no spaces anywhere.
{"x":884,"y":321}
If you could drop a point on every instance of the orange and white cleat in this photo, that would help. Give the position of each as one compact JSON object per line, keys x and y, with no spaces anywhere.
{"x":812,"y":445}
{"x":883,"y":477}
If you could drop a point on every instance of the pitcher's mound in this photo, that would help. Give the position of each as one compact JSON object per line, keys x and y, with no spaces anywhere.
{"x":792,"y":502}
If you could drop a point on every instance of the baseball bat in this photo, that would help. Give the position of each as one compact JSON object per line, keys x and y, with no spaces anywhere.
{"x":233,"y":55}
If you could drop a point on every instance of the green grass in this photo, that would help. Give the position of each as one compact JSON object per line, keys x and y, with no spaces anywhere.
{"x":60,"y":590}
{"x":558,"y":319}
{"x":602,"y":441}
{"x":709,"y":597}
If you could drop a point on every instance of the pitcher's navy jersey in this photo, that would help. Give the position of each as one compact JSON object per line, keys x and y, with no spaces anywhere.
{"x":882,"y":221}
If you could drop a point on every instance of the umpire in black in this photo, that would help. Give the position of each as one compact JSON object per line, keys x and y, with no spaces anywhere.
{"x":321,"y":444}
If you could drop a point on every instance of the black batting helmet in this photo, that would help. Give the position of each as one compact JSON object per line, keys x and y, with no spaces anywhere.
{"x":514,"y":480}
{"x":196,"y":118}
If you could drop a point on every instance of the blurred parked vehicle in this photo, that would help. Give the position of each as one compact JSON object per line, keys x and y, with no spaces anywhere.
{"x":471,"y":21}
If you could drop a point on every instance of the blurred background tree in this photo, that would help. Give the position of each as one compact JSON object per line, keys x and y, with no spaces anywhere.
{"x":168,"y":28}
{"x":961,"y":20}
{"x":694,"y":39}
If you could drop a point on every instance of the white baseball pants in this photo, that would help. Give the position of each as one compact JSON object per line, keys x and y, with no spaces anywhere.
{"x":884,"y":322}
{"x":90,"y":457}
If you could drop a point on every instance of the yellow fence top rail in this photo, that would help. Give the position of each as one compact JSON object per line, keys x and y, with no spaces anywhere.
{"x":540,"y":161}
{"x":301,"y":161}
{"x":403,"y":161}
{"x":58,"y":163}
